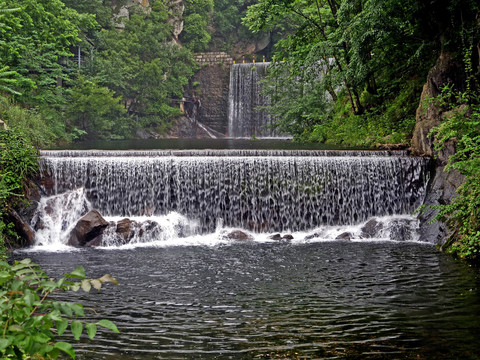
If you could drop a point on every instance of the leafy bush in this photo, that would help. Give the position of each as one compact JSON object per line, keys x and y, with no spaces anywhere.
{"x":18,"y":161}
{"x":29,"y":123}
{"x":463,"y":213}
{"x":31,"y":319}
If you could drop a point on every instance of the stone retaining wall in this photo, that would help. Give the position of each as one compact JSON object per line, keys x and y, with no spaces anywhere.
{"x":214,"y":58}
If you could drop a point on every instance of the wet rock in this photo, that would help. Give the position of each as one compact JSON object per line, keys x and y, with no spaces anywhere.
{"x":124,"y":229}
{"x":345,"y":236}
{"x":98,"y":241}
{"x":312,"y":236}
{"x":238,"y":235}
{"x":371,"y":229}
{"x":27,"y":235}
{"x":287,"y":237}
{"x":401,"y":230}
{"x":87,"y":229}
{"x":275,"y":237}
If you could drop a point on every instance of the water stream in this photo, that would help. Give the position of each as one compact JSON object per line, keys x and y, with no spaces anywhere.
{"x":189,"y":291}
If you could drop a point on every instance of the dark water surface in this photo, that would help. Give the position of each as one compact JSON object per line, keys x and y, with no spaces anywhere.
{"x":253,"y":300}
{"x":182,"y":144}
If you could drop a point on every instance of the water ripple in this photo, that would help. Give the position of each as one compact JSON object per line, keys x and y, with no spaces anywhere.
{"x":264,"y":301}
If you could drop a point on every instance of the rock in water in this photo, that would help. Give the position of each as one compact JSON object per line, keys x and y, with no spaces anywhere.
{"x":371,"y":229}
{"x":345,"y":236}
{"x":125,"y":230}
{"x":275,"y":237}
{"x":87,"y":228}
{"x":238,"y":235}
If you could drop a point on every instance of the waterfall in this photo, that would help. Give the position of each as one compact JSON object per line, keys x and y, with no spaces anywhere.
{"x":245,"y":95}
{"x":263,"y":191}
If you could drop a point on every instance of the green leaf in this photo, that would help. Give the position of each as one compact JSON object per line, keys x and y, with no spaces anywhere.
{"x":4,"y":343}
{"x":16,"y":328}
{"x":66,"y":348}
{"x":67,"y":309}
{"x":61,"y":326}
{"x":77,"y":328}
{"x":77,"y":309}
{"x":41,"y":338}
{"x":78,"y":273}
{"x":91,"y":330}
{"x":108,"y":324}
{"x":29,"y":298}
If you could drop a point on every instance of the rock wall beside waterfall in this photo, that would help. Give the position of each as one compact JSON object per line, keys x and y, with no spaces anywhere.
{"x":443,"y":185}
{"x":208,"y":93}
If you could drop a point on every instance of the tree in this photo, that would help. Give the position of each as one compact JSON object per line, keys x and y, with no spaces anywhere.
{"x":367,"y":49}
{"x":34,"y":42}
{"x":95,"y":110}
{"x":144,"y":67}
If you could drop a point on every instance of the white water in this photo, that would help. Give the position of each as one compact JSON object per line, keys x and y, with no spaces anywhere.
{"x":199,"y":197}
{"x":58,"y":214}
{"x":245,"y":119}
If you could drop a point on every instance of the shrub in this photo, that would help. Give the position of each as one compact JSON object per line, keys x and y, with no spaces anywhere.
{"x":31,"y":319}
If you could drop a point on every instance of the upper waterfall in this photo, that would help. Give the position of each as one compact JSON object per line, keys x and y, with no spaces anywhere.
{"x":245,"y":96}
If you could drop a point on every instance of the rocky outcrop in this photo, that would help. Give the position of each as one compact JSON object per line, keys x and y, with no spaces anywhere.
{"x":177,"y":7}
{"x":87,"y":229}
{"x":122,"y":11}
{"x":445,"y":72}
{"x":443,"y":185}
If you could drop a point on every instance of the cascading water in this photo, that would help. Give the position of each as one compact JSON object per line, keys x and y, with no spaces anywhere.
{"x":262,"y":191}
{"x":245,"y":96}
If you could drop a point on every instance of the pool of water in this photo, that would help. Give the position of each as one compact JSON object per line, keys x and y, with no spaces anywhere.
{"x":279,"y":300}
{"x":182,"y":144}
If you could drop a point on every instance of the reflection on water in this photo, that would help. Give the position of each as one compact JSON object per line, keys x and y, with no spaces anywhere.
{"x":250,"y":300}
{"x":182,"y":144}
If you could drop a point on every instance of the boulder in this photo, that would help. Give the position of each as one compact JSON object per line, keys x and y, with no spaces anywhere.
{"x":312,"y":236}
{"x":238,"y":235}
{"x":124,"y":230}
{"x":287,"y":237}
{"x":275,"y":237}
{"x":87,"y":228}
{"x":345,"y":236}
{"x":27,"y":235}
{"x":371,"y":229}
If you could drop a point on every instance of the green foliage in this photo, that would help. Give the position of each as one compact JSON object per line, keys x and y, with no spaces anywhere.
{"x":31,"y":319}
{"x":369,"y":53}
{"x":28,"y":124}
{"x":142,"y":66}
{"x":35,"y":41}
{"x":18,"y":161}
{"x":195,"y":35}
{"x":229,"y":31}
{"x":6,"y":81}
{"x":95,"y":110}
{"x":463,"y":213}
{"x":100,"y":8}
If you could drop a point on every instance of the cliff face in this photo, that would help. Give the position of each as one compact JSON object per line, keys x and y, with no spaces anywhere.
{"x":443,"y":185}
